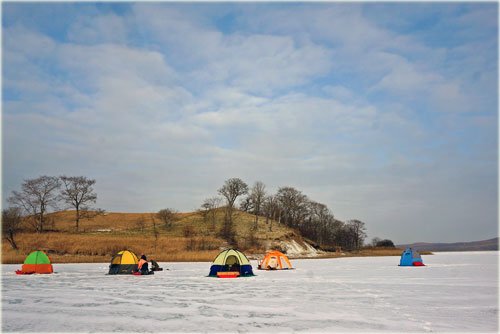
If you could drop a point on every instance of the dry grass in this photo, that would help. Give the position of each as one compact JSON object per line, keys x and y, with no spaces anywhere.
{"x":64,"y":221}
{"x":103,"y":236}
{"x":380,"y":252}
{"x":64,"y":248}
{"x":188,"y":239}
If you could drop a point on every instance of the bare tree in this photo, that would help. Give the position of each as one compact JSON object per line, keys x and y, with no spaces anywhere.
{"x":155,"y":231}
{"x":231,"y":190}
{"x":357,"y":230}
{"x":318,"y":222}
{"x":271,"y":210}
{"x":36,"y":197}
{"x":140,"y":223}
{"x":78,"y":193}
{"x":168,"y":217}
{"x":246,"y":204}
{"x":209,"y":209}
{"x":257,"y":196}
{"x":375,"y":241}
{"x":294,"y":206}
{"x":11,"y":224}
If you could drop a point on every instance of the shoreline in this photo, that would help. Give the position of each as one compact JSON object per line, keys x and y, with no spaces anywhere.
{"x":253,"y":257}
{"x":75,"y":259}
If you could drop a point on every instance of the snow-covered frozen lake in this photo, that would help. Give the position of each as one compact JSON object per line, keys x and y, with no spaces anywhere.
{"x":455,"y":292}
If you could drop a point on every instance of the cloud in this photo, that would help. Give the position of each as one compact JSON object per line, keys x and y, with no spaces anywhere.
{"x":256,"y":63}
{"x":99,"y":29}
{"x":263,"y":63}
{"x":411,"y":81}
{"x":163,"y":102}
{"x":403,"y":76}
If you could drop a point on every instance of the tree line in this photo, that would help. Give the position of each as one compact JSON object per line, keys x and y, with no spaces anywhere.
{"x":37,"y":196}
{"x":287,"y":206}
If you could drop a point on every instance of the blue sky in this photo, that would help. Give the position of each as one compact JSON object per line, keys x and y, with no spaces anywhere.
{"x":385,"y":112}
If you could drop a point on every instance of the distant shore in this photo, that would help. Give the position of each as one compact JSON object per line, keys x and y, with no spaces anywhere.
{"x":68,"y":259}
{"x":366,"y":252}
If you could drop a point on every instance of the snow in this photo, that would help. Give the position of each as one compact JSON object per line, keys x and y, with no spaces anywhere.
{"x":293,"y":248}
{"x":455,"y":292}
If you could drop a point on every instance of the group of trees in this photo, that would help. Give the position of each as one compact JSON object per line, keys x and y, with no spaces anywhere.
{"x":377,"y":242}
{"x":37,"y":196}
{"x":314,"y":220}
{"x":288,"y":206}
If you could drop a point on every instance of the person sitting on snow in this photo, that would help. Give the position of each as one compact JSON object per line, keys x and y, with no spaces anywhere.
{"x":155,"y":266}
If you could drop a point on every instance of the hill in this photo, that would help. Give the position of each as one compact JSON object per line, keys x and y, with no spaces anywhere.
{"x":191,"y":237}
{"x":483,"y":245}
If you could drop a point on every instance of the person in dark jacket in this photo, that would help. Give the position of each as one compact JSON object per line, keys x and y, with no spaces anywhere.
{"x":155,"y":266}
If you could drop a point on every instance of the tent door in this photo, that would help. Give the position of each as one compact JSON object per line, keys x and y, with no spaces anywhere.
{"x":232,"y":263}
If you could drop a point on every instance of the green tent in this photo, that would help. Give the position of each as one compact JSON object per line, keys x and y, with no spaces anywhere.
{"x":36,"y":262}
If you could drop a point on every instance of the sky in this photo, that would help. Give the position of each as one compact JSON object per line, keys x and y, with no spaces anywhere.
{"x":385,"y":112}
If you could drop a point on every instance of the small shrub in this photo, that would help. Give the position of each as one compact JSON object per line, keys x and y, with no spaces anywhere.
{"x":191,"y":244}
{"x":189,"y":231}
{"x":140,"y":224}
{"x":385,"y":243}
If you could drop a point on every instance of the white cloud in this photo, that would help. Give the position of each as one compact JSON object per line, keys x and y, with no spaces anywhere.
{"x":99,"y":29}
{"x":115,"y":61}
{"x":31,"y":44}
{"x":255,"y":63}
{"x":163,"y":121}
{"x":340,"y":92}
{"x":404,"y":77}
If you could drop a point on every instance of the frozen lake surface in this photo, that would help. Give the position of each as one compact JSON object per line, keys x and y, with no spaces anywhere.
{"x":455,"y":292}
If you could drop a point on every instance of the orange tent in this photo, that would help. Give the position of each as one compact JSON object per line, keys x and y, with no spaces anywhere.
{"x":275,"y":260}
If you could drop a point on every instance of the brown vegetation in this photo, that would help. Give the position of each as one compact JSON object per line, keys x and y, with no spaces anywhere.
{"x":62,"y":247}
{"x":189,"y":238}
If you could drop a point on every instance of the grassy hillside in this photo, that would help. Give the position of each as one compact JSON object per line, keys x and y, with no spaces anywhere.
{"x":188,"y":239}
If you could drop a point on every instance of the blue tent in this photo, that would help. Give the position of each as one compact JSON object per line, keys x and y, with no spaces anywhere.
{"x":410,"y":257}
